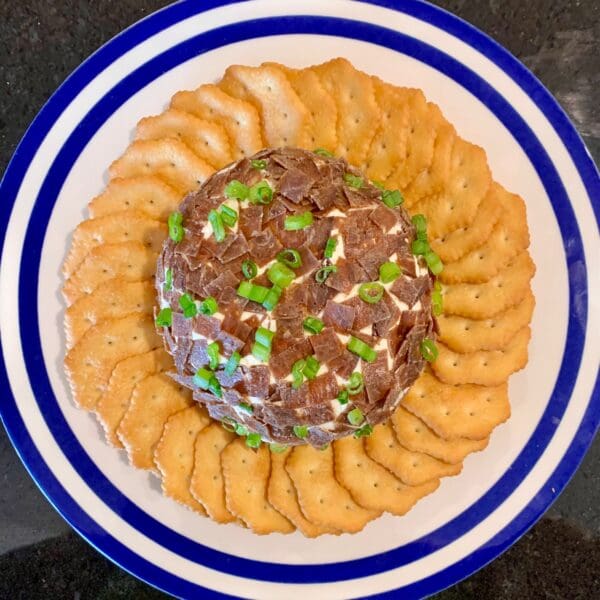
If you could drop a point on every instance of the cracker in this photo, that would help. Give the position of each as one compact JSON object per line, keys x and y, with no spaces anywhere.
{"x":131,"y":261}
{"x":321,"y":107}
{"x":246,"y":473}
{"x":146,"y":193}
{"x":372,"y":485}
{"x":113,"y":404}
{"x":206,"y":139}
{"x":169,"y":159}
{"x":206,"y":484}
{"x":457,"y":411}
{"x":485,"y":367}
{"x":125,"y":226}
{"x":413,"y":434}
{"x":174,"y":454}
{"x":412,"y":468}
{"x":485,"y":300}
{"x":284,"y":118}
{"x":322,"y":499}
{"x":357,"y":110}
{"x":113,"y":299}
{"x":470,"y":335}
{"x":459,"y":242}
{"x":153,"y":401}
{"x":239,"y":118}
{"x":509,"y":237}
{"x":282,"y":495}
{"x":89,"y":364}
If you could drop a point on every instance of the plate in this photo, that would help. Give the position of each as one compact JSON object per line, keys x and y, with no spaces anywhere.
{"x":532,"y":149}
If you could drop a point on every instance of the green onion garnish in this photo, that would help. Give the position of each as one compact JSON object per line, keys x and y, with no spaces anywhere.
{"x":251,"y":291}
{"x":277,"y":448}
{"x":429,"y":350}
{"x":378,"y":184}
{"x":236,"y":190}
{"x":229,"y":216}
{"x":232,"y":363}
{"x":264,"y":336}
{"x":260,"y":352}
{"x":228,"y":424}
{"x":253,"y":440}
{"x":300,"y":431}
{"x":419,"y":247}
{"x":209,"y":306}
{"x":311,"y":368}
{"x":296,"y":222}
{"x":168,"y":284}
{"x":272,"y":297}
{"x":261,"y":193}
{"x":206,"y":380}
{"x":323,"y":273}
{"x":241,"y":429}
{"x":280,"y":275}
{"x":343,"y":397}
{"x":355,"y":416}
{"x":258,"y":164}
{"x":313,"y":325}
{"x":164,"y":318}
{"x":420,"y":223}
{"x":353,"y":180}
{"x":437,"y":301}
{"x":213,"y":355}
{"x":365,"y":431}
{"x":330,"y":247}
{"x":371,"y":293}
{"x":188,"y":306}
{"x":290,"y":258}
{"x":175,"y":223}
{"x":355,"y":383}
{"x":249,"y":269}
{"x":361,"y":349}
{"x":389,"y":272}
{"x":246,"y":407}
{"x":434,"y":262}
{"x":323,"y":152}
{"x":297,"y":375}
{"x":392,"y":198}
{"x":216,"y":222}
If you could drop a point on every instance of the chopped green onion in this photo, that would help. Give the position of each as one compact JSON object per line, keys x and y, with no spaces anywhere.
{"x":419,"y":247}
{"x":355,"y":383}
{"x":241,"y":429}
{"x":253,"y":440}
{"x":175,"y":223}
{"x":300,"y":431}
{"x":429,"y":350}
{"x":261,"y":193}
{"x":343,"y":397}
{"x":361,"y":349}
{"x":236,"y":190}
{"x":330,"y":247}
{"x":213,"y":355}
{"x":422,"y":235}
{"x":228,"y":424}
{"x":216,"y":222}
{"x":209,"y":306}
{"x":355,"y":416}
{"x":392,"y":198}
{"x":206,"y":380}
{"x":313,"y":325}
{"x":164,"y":318}
{"x":188,"y":306}
{"x":420,"y":223}
{"x":434,"y":262}
{"x":353,"y":180}
{"x":260,"y":352}
{"x":437,"y":301}
{"x":323,"y":273}
{"x":365,"y":431}
{"x":229,"y":216}
{"x":168,"y":284}
{"x":297,"y":373}
{"x":246,"y":407}
{"x":272,"y":297}
{"x":280,"y":275}
{"x":297,"y":222}
{"x":323,"y":152}
{"x":311,"y":368}
{"x":258,"y":164}
{"x":389,"y":272}
{"x":251,"y":291}
{"x":249,"y":269}
{"x":371,"y":293}
{"x":290,"y":258}
{"x":264,"y":336}
{"x":232,"y":363}
{"x":277,"y":448}
{"x":378,"y":184}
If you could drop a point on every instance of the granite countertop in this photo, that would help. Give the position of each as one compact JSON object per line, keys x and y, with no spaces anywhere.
{"x":41,"y":42}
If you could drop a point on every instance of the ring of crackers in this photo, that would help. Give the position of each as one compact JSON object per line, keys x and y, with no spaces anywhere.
{"x":115,"y":362}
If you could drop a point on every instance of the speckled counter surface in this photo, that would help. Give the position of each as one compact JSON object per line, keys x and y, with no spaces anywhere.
{"x":41,"y":42}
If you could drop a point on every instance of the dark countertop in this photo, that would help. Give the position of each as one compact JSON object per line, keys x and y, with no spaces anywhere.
{"x":40,"y":44}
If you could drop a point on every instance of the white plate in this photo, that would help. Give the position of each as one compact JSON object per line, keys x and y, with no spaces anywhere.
{"x":532,"y":149}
